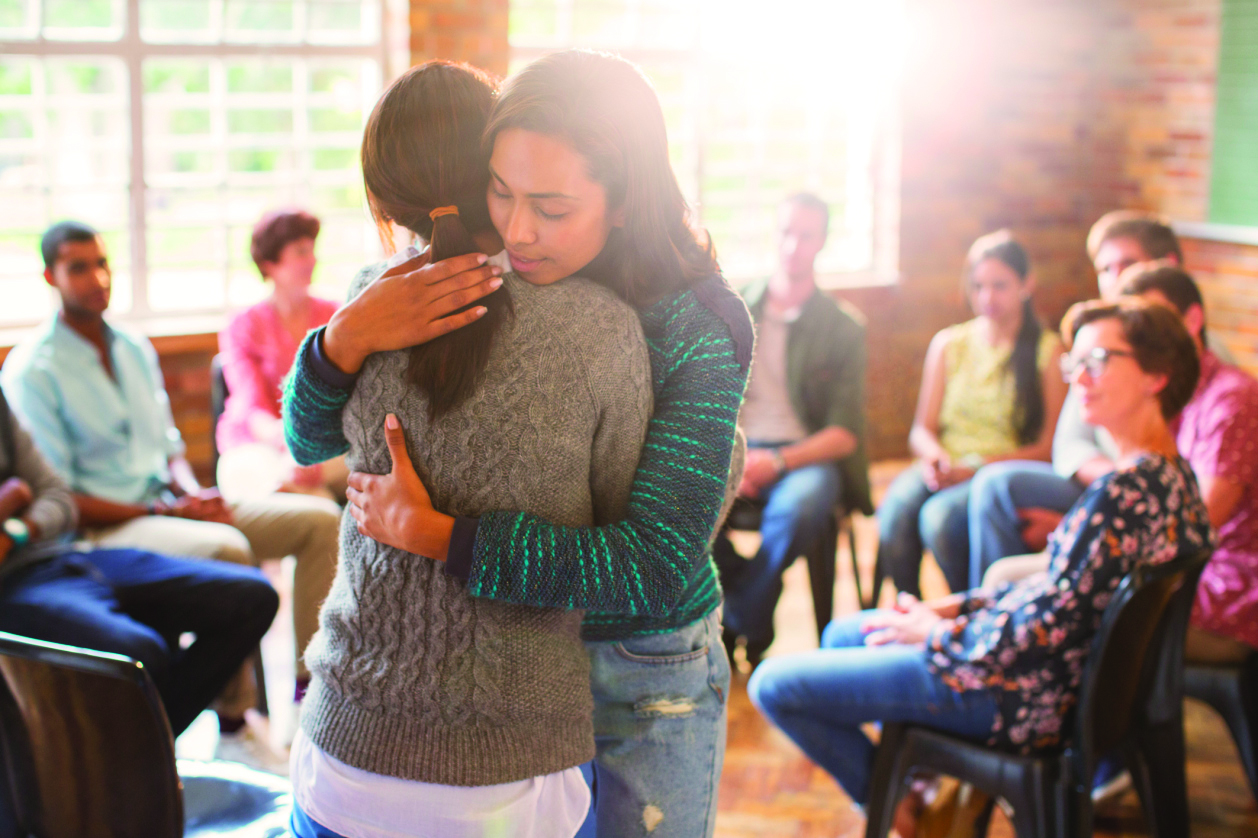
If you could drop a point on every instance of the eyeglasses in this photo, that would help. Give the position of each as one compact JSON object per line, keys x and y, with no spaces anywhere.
{"x":1094,"y":362}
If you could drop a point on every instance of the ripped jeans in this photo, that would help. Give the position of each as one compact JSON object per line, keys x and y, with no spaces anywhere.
{"x":659,"y":725}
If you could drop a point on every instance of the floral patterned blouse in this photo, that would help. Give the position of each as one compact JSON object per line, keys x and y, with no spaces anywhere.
{"x":1028,"y":641}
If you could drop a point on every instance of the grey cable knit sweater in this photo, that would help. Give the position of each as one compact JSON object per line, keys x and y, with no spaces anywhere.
{"x":412,"y":677}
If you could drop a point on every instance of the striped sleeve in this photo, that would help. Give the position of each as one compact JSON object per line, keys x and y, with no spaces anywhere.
{"x":644,"y":564}
{"x":312,"y":407}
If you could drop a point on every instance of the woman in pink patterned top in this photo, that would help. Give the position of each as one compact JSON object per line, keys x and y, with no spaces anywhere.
{"x":257,"y":350}
{"x":1218,"y":434}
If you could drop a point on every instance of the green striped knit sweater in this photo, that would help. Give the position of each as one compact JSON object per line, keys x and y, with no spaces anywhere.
{"x":649,"y":573}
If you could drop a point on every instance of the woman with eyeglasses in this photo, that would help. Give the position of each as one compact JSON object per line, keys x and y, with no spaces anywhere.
{"x":990,"y":392}
{"x":1003,"y":665}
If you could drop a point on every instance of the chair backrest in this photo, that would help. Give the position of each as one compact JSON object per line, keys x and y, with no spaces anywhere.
{"x":1136,"y":665}
{"x":218,"y":402}
{"x":87,"y":743}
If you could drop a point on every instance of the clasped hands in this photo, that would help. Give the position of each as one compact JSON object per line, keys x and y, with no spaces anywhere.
{"x":910,"y":622}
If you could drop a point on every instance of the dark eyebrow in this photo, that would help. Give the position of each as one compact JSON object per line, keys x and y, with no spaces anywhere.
{"x":539,"y":195}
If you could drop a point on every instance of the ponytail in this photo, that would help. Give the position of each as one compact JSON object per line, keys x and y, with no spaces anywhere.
{"x":1028,"y":403}
{"x":424,"y":168}
{"x":448,"y":369}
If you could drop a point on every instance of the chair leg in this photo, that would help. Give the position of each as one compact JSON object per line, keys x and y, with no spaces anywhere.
{"x":886,"y":783}
{"x":259,"y":676}
{"x":861,"y":602}
{"x":1234,"y":696}
{"x":1243,"y":722}
{"x":822,"y":557}
{"x":1156,"y":760}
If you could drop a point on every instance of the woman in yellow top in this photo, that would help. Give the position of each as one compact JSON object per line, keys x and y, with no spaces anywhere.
{"x":991,"y":391}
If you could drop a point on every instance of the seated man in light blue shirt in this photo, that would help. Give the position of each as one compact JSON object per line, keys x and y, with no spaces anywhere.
{"x":93,"y":398}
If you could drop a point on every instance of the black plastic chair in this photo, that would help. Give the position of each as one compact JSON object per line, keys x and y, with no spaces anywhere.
{"x":88,"y":751}
{"x":218,"y":402}
{"x":1130,"y":701}
{"x":821,"y":555}
{"x":1233,"y":693}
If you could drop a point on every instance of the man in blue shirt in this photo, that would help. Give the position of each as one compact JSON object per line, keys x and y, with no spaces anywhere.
{"x":93,"y":398}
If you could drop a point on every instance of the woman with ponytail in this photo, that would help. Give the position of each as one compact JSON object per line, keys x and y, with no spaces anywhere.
{"x":989,"y":392}
{"x":430,"y":712}
{"x":659,"y":674}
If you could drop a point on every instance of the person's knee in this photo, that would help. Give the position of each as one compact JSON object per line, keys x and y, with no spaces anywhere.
{"x":764,"y":688}
{"x":805,"y":497}
{"x":939,"y":518}
{"x":256,"y":601}
{"x":322,"y":524}
{"x":232,"y":546}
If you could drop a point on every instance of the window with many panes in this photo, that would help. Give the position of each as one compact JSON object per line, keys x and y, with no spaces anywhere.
{"x":172,"y":126}
{"x":761,"y":100}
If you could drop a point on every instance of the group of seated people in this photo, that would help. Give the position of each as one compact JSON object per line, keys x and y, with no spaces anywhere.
{"x":1150,"y":455}
{"x":106,"y":527}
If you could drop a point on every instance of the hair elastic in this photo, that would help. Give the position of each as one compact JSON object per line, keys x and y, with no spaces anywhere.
{"x":440,"y":211}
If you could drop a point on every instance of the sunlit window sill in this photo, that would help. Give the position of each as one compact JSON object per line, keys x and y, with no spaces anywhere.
{"x":1209,"y":231}
{"x":169,"y":333}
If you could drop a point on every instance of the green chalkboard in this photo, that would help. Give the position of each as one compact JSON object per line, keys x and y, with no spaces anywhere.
{"x":1234,"y":175}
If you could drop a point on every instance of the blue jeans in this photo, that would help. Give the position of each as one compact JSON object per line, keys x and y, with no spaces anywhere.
{"x":138,"y":604}
{"x":659,"y":727}
{"x":796,"y":511}
{"x":998,"y":492}
{"x":913,"y":518}
{"x":819,"y":699}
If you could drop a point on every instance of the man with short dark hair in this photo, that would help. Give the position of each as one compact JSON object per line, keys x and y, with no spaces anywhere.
{"x":93,"y":397}
{"x":804,"y":417}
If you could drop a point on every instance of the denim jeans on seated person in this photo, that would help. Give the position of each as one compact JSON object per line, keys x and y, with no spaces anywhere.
{"x":796,"y":510}
{"x":659,"y":727}
{"x":820,"y":699}
{"x":997,"y":492}
{"x":912,"y":518}
{"x":139,"y":604}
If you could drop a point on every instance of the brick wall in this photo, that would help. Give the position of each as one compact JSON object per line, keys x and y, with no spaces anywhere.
{"x":474,"y":31}
{"x":1162,"y":101}
{"x":1000,"y":129}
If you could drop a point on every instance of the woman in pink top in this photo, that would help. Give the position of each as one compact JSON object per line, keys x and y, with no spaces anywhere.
{"x":257,"y":349}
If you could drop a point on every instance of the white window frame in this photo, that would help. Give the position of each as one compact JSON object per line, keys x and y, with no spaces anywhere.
{"x":388,"y":51}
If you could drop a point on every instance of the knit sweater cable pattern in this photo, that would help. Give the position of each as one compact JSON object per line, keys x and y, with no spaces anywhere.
{"x":413,"y":678}
{"x":652,"y":571}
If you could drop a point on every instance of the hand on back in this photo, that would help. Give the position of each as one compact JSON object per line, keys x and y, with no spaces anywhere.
{"x":412,"y":303}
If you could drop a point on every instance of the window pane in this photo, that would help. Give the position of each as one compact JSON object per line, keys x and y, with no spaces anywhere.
{"x":84,"y":20}
{"x":226,"y":141}
{"x":64,"y":151}
{"x":180,"y":21}
{"x":271,"y":21}
{"x":342,"y":21}
{"x":19,"y":19}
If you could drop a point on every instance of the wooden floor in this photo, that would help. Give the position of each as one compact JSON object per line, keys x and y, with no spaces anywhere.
{"x":769,"y":788}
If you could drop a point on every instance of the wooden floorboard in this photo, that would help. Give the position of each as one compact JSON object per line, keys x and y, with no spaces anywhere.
{"x":770,"y":789}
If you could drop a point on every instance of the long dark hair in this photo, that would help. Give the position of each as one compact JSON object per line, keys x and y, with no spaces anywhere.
{"x":1028,"y":403}
{"x":422,"y":152}
{"x":608,"y":112}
